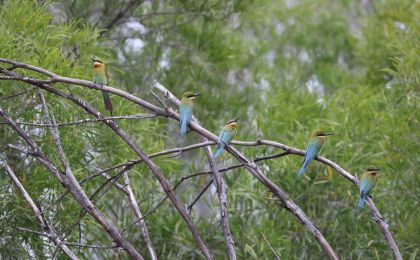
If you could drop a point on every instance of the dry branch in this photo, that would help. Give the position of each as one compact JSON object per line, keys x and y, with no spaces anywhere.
{"x":220,"y":187}
{"x":51,"y":233}
{"x":89,"y":120}
{"x":251,"y":167}
{"x":70,"y":182}
{"x":139,"y":216}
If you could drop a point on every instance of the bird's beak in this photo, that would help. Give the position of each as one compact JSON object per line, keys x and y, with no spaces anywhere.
{"x":197,"y":94}
{"x":376,"y":169}
{"x":236,"y":119}
{"x":328,"y":134}
{"x":92,"y":59}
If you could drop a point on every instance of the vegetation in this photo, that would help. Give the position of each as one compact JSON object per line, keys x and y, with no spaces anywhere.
{"x":284,"y":68}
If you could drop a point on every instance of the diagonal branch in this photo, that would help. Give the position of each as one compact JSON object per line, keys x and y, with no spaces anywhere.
{"x":89,"y":120}
{"x":221,"y":190}
{"x":139,"y":216}
{"x":56,"y":138}
{"x":154,"y":169}
{"x":253,"y":169}
{"x":50,"y":231}
{"x":195,"y":127}
{"x":70,"y":182}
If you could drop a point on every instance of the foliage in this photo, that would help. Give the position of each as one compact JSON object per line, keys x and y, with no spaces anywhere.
{"x":285,"y":68}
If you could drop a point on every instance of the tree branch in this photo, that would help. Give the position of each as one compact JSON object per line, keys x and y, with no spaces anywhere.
{"x":139,"y":216}
{"x":50,"y":231}
{"x":221,"y":191}
{"x":154,"y":169}
{"x":89,"y":120}
{"x":255,"y":171}
{"x":252,"y":168}
{"x":68,"y":180}
{"x":17,"y":94}
{"x":203,"y":132}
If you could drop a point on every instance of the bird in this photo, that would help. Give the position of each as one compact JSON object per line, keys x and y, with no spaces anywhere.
{"x":100,"y":76}
{"x":226,"y":136}
{"x":186,"y":109}
{"x":367,"y":183}
{"x":313,"y":148}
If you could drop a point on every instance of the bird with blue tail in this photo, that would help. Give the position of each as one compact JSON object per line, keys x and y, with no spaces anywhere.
{"x":314,"y":147}
{"x":100,"y":76}
{"x":367,"y":182}
{"x":186,"y":110}
{"x":226,"y":136}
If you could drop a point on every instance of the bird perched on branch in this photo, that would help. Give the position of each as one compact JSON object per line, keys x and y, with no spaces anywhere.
{"x":100,"y":76}
{"x":226,"y":136}
{"x":367,"y":183}
{"x":186,"y":110}
{"x":313,"y":148}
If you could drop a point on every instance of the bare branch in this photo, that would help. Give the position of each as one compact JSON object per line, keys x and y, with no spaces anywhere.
{"x":384,"y":228}
{"x":158,"y":98}
{"x":89,"y":120}
{"x":93,"y":246}
{"x":50,"y":231}
{"x":272,"y":249}
{"x":221,"y":190}
{"x":69,"y":181}
{"x":17,"y":94}
{"x":139,"y":216}
{"x":204,"y":132}
{"x":224,"y":213}
{"x":228,"y":169}
{"x":154,"y":169}
{"x":253,"y":169}
{"x":66,"y":243}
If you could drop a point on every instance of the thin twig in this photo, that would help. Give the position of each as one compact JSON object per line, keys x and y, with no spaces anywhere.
{"x":92,"y":246}
{"x":272,"y":249}
{"x":139,"y":216}
{"x":154,"y":169}
{"x":71,"y":183}
{"x":50,"y":231}
{"x":230,"y":168}
{"x":253,"y":169}
{"x":17,"y":94}
{"x":89,"y":120}
{"x":158,"y":98}
{"x":204,"y":132}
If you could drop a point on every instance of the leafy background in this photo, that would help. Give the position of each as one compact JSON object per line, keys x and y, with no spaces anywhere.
{"x":284,"y":67}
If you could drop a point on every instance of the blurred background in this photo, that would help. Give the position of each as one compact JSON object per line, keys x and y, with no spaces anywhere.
{"x":283,"y":67}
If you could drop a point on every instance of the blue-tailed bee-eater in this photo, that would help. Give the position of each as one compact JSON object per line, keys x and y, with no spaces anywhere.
{"x":314,"y":147}
{"x":226,"y":136}
{"x":186,"y":110}
{"x":100,"y":76}
{"x":367,"y":182}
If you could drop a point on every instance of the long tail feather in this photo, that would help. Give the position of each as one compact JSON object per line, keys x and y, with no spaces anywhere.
{"x":361,"y":202}
{"x":303,"y":168}
{"x":219,"y":150}
{"x":183,"y":129}
{"x":107,"y":102}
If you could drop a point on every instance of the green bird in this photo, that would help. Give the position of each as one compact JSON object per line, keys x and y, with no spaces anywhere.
{"x":367,"y":182}
{"x":314,"y":147}
{"x":226,"y":136}
{"x":186,"y":110}
{"x":100,"y":76}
